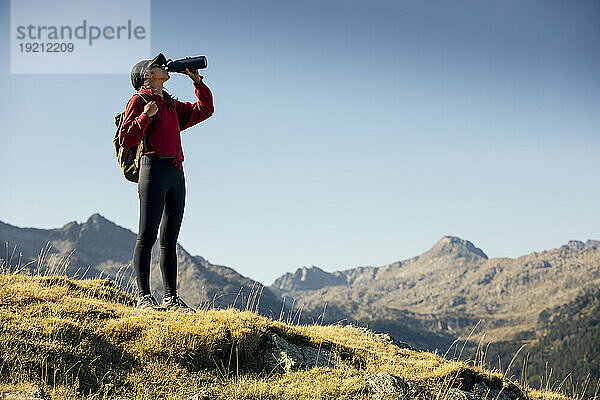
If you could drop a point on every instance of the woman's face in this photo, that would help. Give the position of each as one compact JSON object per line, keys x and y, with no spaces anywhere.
{"x":157,"y":72}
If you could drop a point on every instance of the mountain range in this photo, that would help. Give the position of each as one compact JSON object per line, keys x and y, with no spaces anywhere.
{"x":454,"y":284}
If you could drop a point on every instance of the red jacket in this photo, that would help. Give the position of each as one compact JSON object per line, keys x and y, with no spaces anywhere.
{"x":164,"y":132}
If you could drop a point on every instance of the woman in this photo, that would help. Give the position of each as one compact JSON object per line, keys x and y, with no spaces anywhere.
{"x":161,"y":186}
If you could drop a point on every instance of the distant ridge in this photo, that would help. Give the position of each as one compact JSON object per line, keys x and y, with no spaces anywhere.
{"x":453,"y":285}
{"x":579,"y":245}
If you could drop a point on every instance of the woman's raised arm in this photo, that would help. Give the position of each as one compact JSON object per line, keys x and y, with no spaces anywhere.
{"x":189,"y":114}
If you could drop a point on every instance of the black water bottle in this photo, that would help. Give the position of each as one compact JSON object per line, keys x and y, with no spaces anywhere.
{"x":191,"y":63}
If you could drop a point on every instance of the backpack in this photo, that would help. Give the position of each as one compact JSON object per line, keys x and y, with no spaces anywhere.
{"x":129,"y":158}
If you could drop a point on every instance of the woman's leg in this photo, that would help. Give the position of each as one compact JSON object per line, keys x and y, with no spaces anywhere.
{"x":169,"y":231}
{"x":151,"y":192}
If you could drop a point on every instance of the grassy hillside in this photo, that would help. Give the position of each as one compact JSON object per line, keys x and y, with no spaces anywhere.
{"x":101,"y":246}
{"x":82,"y":339}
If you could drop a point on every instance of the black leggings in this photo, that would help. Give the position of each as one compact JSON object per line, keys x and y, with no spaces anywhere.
{"x":161,"y":189}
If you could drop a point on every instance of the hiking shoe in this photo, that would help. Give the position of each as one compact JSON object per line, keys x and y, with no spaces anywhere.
{"x":148,"y":303}
{"x":175,"y":303}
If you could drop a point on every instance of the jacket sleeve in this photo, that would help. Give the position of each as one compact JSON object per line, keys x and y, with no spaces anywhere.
{"x":134,"y":123}
{"x":190,"y":114}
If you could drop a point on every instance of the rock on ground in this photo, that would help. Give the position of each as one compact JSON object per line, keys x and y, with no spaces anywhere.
{"x":384,"y":385}
{"x":282,"y":356}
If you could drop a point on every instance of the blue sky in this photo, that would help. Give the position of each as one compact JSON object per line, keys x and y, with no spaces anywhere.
{"x":345,"y":133}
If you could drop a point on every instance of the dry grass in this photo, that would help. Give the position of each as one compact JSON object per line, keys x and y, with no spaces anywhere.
{"x":82,"y":339}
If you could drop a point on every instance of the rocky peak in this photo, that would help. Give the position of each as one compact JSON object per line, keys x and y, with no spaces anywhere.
{"x":579,"y":245}
{"x":98,"y":220}
{"x":452,"y":246}
{"x":594,"y":244}
{"x":308,"y":278}
{"x":95,"y":225}
{"x":70,"y":230}
{"x":94,"y":241}
{"x":575,"y":244}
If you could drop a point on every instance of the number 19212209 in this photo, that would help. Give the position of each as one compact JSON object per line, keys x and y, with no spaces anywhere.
{"x":46,"y":47}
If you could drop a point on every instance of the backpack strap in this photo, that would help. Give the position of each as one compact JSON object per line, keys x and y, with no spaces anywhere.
{"x":147,"y":100}
{"x":144,"y":97}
